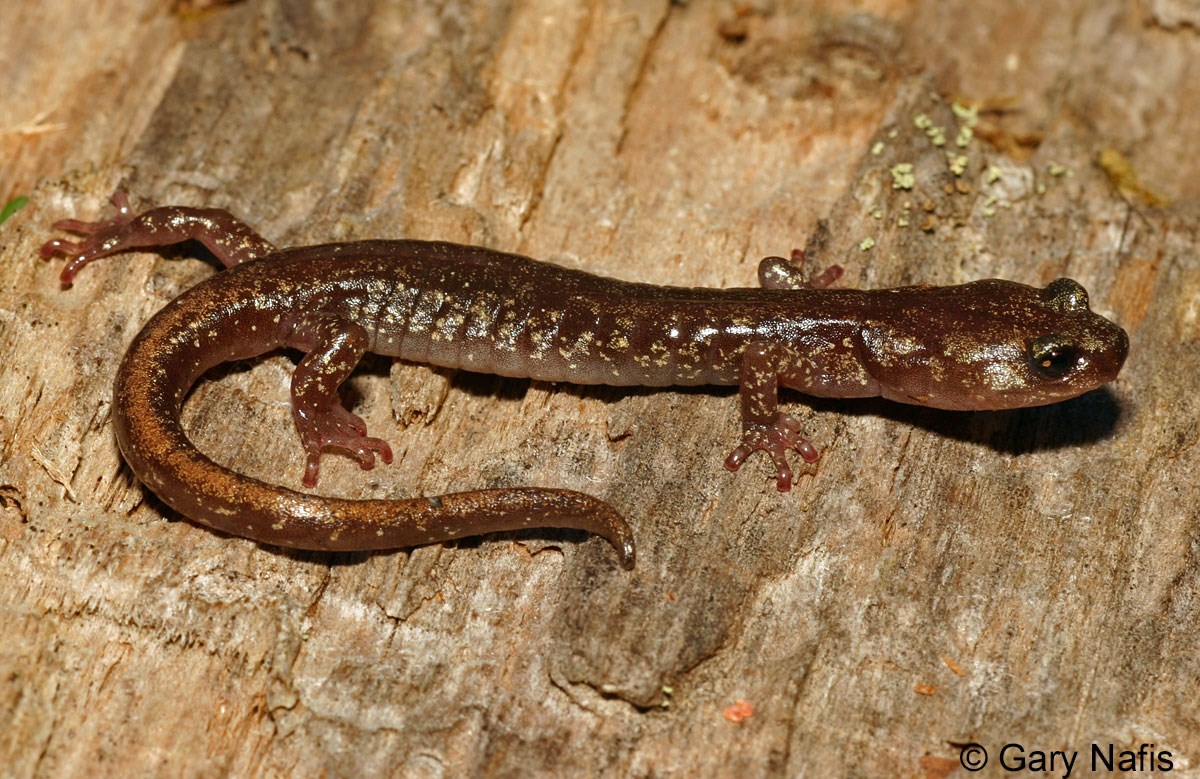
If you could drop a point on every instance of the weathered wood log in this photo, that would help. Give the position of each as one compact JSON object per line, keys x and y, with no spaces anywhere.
{"x":938,"y":579}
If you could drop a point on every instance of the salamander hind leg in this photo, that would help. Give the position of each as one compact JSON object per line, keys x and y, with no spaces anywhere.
{"x":764,"y":427}
{"x":778,"y":273}
{"x":227,"y":237}
{"x":334,"y":346}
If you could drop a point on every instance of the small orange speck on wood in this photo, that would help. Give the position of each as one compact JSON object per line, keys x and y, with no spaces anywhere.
{"x":739,"y":710}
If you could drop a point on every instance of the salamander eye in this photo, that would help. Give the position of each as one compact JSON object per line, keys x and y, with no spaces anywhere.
{"x":1052,"y":357}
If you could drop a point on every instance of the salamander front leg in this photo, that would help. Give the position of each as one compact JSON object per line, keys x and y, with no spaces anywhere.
{"x":334,"y":346}
{"x":226,"y":236}
{"x":764,"y":427}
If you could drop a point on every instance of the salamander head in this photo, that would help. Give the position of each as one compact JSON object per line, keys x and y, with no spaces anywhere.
{"x":991,"y":345}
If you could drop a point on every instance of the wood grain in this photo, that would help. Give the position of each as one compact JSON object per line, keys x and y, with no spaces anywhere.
{"x":1027,"y":577}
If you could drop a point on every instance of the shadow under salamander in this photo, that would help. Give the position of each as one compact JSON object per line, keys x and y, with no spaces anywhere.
{"x":1086,"y":419}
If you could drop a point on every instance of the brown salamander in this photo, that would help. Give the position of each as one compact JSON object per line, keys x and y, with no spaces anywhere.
{"x":983,"y":345}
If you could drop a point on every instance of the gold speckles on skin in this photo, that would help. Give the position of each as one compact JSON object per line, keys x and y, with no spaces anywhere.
{"x":937,"y":369}
{"x":1003,"y":376}
{"x":447,"y":327}
{"x":540,"y":339}
{"x":905,"y":344}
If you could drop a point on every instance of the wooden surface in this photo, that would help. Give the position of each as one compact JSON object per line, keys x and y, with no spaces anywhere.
{"x":1027,"y":577}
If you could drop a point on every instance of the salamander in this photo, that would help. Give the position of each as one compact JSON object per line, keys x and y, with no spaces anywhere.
{"x":988,"y":344}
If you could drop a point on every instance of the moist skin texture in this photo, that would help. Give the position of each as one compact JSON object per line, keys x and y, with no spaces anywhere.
{"x":984,"y":345}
